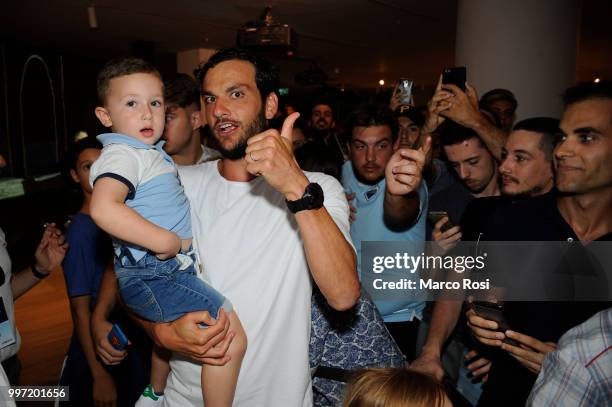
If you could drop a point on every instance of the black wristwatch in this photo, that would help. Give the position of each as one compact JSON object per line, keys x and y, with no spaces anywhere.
{"x":37,"y":273}
{"x":312,"y":199}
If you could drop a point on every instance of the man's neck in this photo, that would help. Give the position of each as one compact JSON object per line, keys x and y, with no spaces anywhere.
{"x":491,"y":190}
{"x":191,"y":154}
{"x":588,"y":214}
{"x":234,"y":170}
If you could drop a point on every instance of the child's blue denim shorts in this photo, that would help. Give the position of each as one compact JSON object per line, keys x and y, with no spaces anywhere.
{"x":165,"y":290}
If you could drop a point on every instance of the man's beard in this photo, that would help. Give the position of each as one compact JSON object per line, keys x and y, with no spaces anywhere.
{"x":238,"y":151}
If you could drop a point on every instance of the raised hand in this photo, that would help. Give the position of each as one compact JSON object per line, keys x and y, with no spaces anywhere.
{"x":270,"y":154}
{"x":404,"y":170}
{"x":436,"y":105}
{"x":462,"y":107}
{"x":51,"y":249}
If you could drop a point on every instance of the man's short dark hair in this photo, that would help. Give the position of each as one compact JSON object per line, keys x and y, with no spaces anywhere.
{"x":547,"y":127}
{"x":452,"y":133}
{"x":372,"y":115}
{"x":119,"y":67}
{"x":325,"y":102}
{"x":266,"y":74}
{"x":78,"y":147}
{"x":587,"y":91}
{"x":497,"y":94}
{"x":181,"y":91}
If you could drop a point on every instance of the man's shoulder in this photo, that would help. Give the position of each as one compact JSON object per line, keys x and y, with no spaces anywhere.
{"x":589,"y":345}
{"x":327,"y":182}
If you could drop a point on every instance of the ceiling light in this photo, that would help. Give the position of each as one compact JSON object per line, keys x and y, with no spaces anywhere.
{"x":91,"y":17}
{"x":381,"y":82}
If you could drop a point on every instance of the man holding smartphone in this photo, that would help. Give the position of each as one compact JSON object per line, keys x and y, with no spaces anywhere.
{"x":581,"y":211}
{"x":526,"y":170}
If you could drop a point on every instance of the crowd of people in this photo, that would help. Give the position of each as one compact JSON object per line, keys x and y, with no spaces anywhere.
{"x":223,"y":233}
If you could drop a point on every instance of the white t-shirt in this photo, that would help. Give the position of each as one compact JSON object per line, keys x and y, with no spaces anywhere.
{"x":208,"y":154}
{"x":250,"y":247}
{"x":7,"y":297}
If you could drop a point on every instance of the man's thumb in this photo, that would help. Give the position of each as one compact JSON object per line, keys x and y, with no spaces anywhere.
{"x":287,"y":130}
{"x":426,"y":147}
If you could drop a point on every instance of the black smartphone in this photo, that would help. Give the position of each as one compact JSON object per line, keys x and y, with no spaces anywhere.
{"x":435,"y":216}
{"x":455,"y":76}
{"x":495,"y":312}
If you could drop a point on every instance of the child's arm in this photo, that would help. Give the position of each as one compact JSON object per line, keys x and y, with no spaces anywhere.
{"x":109,"y":211}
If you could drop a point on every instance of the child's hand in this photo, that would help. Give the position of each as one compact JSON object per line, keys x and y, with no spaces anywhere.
{"x":173,"y":246}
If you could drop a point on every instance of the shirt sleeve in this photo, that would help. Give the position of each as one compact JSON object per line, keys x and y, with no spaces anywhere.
{"x":119,"y":162}
{"x":562,"y":381}
{"x":336,"y":204}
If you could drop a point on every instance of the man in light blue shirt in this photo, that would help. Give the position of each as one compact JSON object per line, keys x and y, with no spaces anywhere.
{"x":373,"y":142}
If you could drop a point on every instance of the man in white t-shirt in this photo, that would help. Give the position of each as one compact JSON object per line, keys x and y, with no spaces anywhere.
{"x":264,"y":230}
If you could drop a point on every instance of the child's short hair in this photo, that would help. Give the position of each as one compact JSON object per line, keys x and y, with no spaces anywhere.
{"x":393,"y":388}
{"x":116,"y":68}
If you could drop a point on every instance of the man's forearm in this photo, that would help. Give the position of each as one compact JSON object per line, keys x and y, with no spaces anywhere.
{"x":493,"y":137}
{"x":401,"y":211}
{"x":444,"y":319}
{"x":21,"y":282}
{"x":107,"y":295}
{"x":81,"y":318}
{"x":330,"y":257}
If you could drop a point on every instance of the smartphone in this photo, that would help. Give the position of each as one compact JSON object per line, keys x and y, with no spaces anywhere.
{"x":435,"y":216}
{"x":455,"y":76}
{"x":495,"y":312}
{"x":117,"y":338}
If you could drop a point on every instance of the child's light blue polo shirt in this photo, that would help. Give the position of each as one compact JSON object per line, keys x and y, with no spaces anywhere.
{"x":155,"y":190}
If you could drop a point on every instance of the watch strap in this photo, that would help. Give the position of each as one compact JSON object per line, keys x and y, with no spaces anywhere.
{"x":37,"y":273}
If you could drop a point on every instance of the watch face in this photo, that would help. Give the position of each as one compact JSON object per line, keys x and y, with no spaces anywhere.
{"x":312,"y":199}
{"x":314,"y":194}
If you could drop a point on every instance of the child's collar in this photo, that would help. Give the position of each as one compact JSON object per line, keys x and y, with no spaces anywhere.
{"x":111,"y":138}
{"x":116,"y":138}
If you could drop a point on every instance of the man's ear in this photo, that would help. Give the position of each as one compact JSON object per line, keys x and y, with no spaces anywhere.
{"x":195,"y":119}
{"x":104,"y":117}
{"x":74,"y":176}
{"x":333,"y":124}
{"x":271,"y":106}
